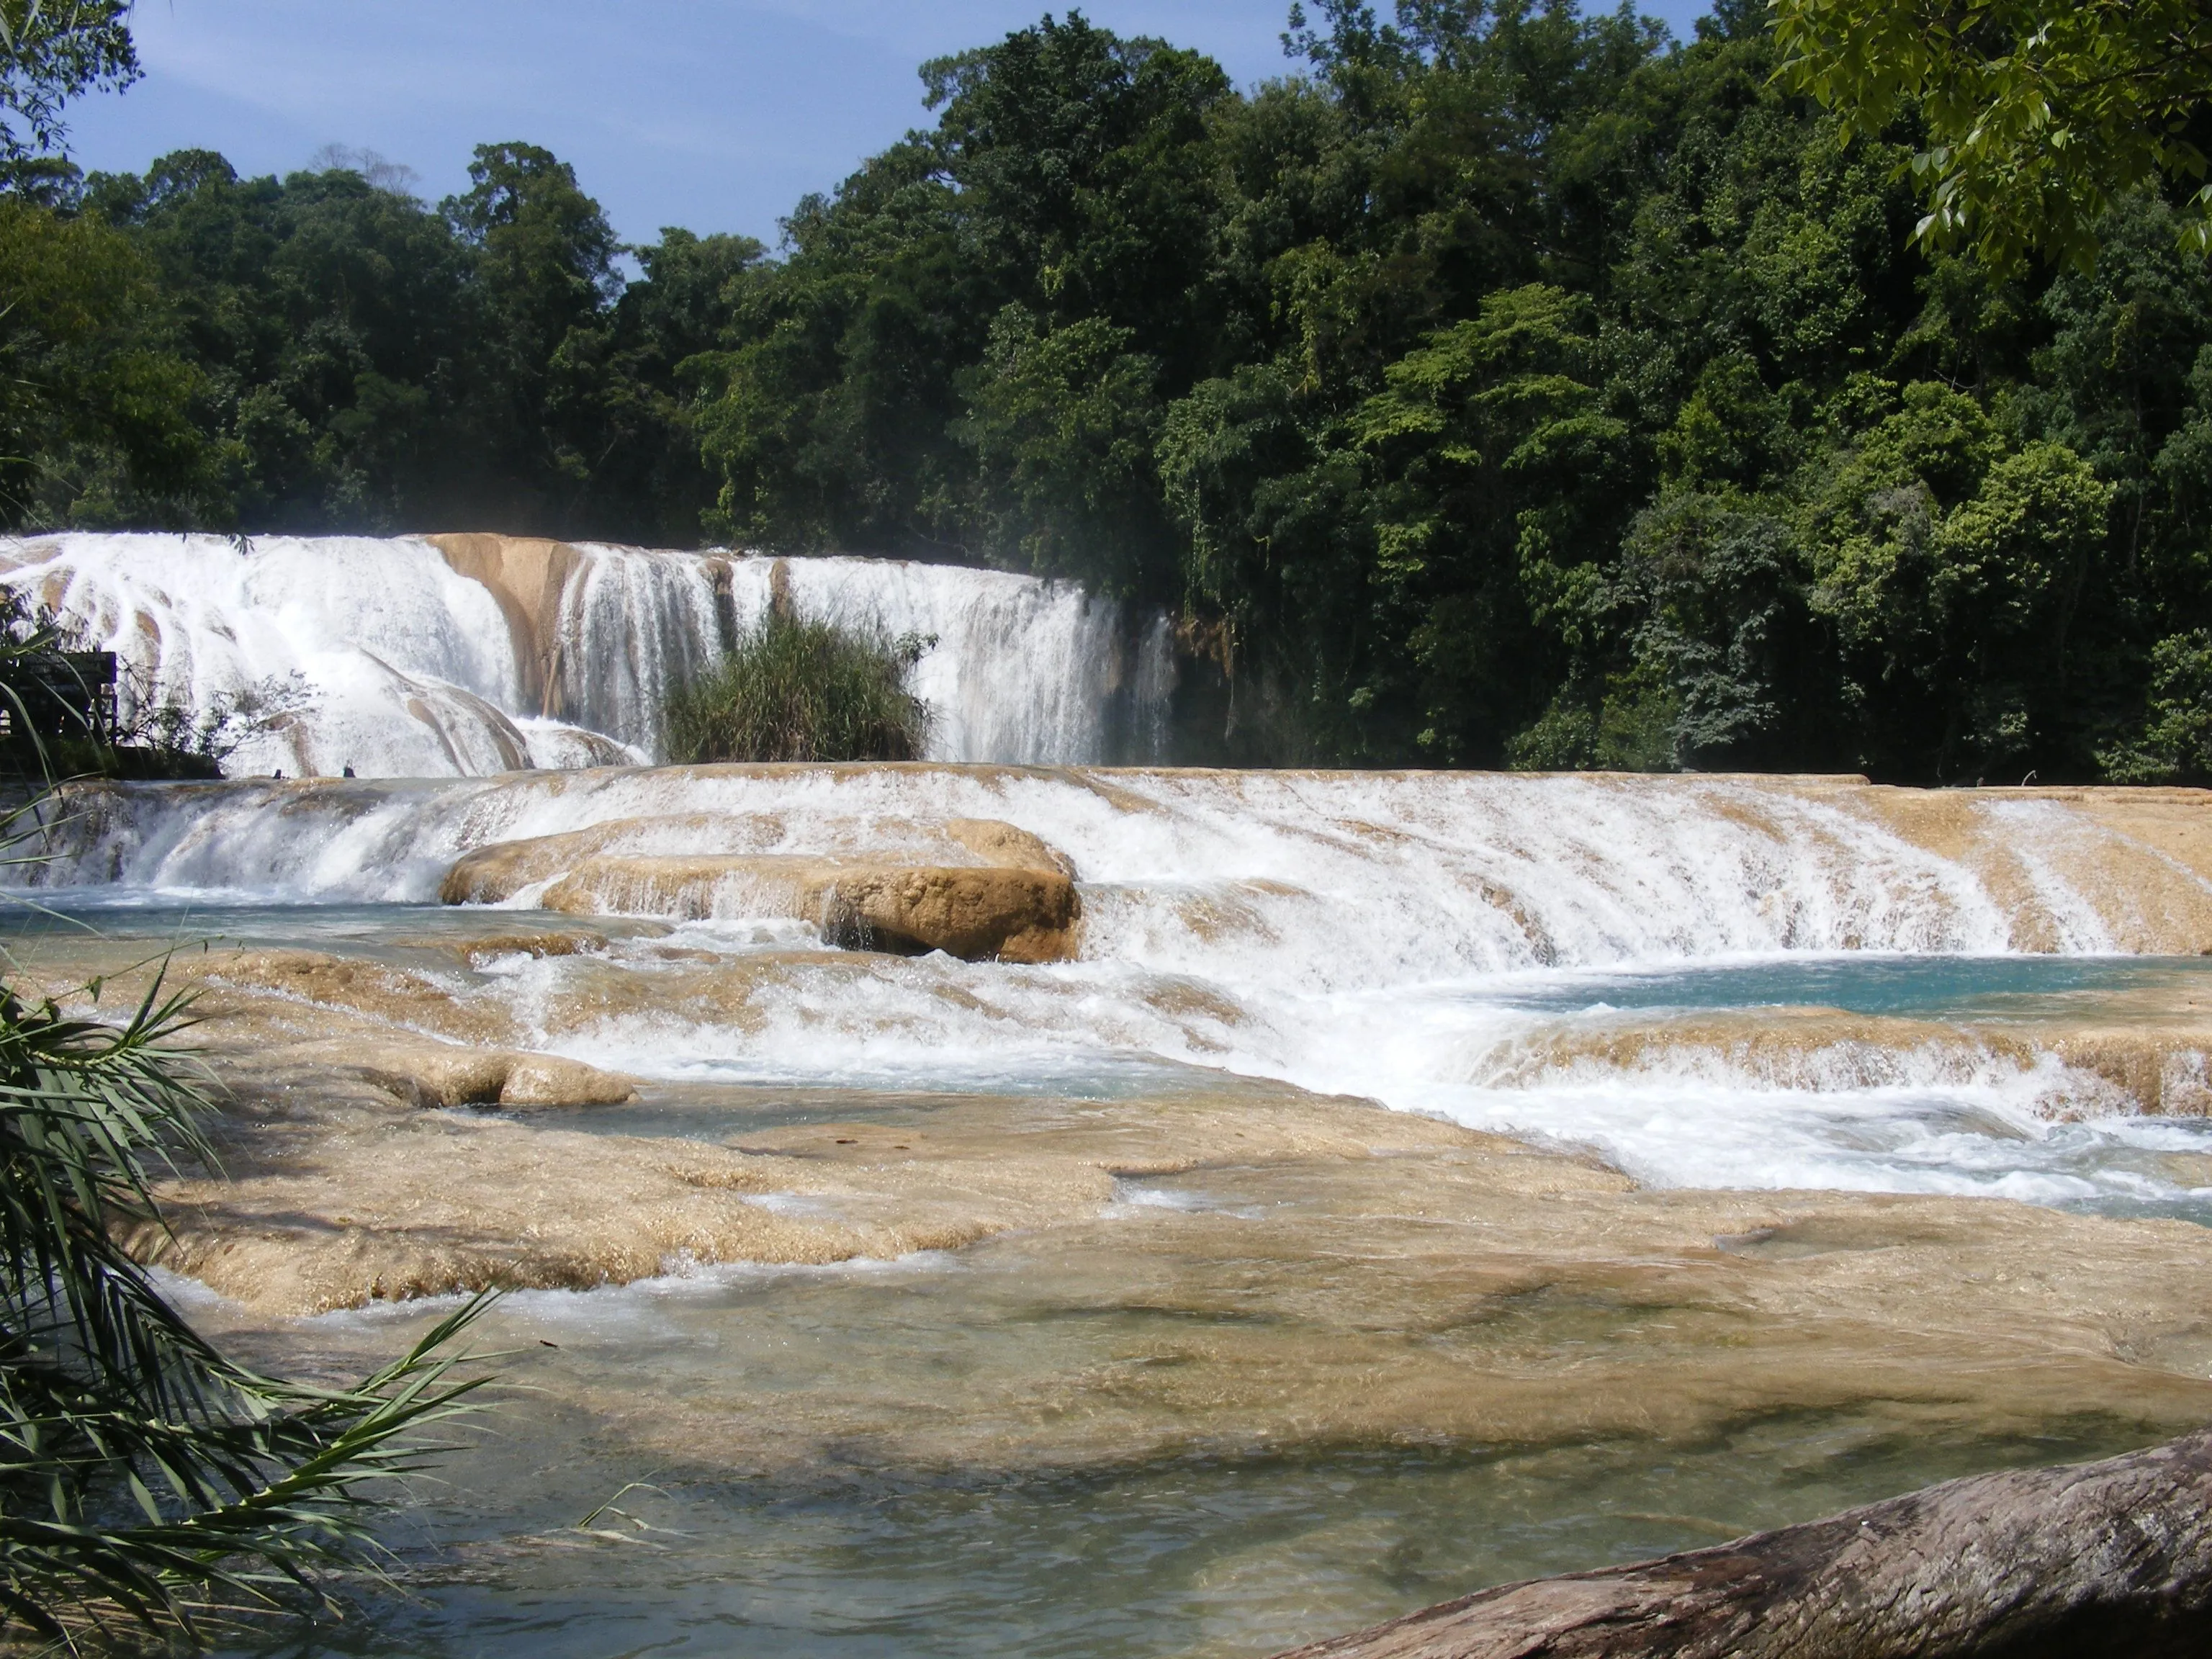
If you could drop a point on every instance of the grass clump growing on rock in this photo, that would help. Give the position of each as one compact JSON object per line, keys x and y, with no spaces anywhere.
{"x":800,"y":690}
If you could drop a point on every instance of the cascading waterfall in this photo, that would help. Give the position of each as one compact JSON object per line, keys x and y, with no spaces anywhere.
{"x":1021,"y":671}
{"x":438,"y":657}
{"x":1309,"y":882}
{"x":1450,"y":943}
{"x":1361,"y":933}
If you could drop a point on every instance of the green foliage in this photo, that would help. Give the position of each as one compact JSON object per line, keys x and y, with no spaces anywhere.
{"x":347,"y":357}
{"x":2175,"y":743}
{"x":145,"y":1478}
{"x":50,"y":51}
{"x":1714,"y":584}
{"x":1063,"y":424}
{"x":95,"y":403}
{"x":1503,"y":384}
{"x":148,"y":1482}
{"x":800,"y":691}
{"x":2037,"y":115}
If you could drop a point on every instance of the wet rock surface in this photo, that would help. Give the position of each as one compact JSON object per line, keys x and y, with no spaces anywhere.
{"x":1004,"y":897}
{"x":881,"y":1225}
{"x":1204,"y":1261}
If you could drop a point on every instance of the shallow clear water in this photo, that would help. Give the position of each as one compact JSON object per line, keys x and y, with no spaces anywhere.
{"x":1864,"y":983}
{"x":573,"y":1529}
{"x":228,"y":917}
{"x":576,"y":1529}
{"x":1206,"y":1551}
{"x":1941,"y":987}
{"x":1197,"y":1556}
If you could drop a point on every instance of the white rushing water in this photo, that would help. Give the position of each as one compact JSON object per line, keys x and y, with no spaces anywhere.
{"x":1450,"y":943}
{"x":399,"y":667}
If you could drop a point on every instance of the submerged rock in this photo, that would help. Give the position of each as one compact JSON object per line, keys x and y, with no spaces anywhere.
{"x":429,"y":1073}
{"x":2109,"y":1558}
{"x":2146,"y":1054}
{"x":1232,"y":1265}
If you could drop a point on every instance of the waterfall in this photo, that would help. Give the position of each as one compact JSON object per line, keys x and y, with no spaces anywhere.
{"x":1317,"y":883}
{"x":468,"y":655}
{"x":1524,"y":953}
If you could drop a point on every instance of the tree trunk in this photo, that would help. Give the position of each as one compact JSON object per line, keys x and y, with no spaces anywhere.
{"x":2092,"y":1559}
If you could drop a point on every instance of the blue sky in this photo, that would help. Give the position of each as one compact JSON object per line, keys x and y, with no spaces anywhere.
{"x":713,"y":114}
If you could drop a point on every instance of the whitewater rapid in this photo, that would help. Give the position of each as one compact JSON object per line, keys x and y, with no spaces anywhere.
{"x":469,"y":656}
{"x":1475,"y":946}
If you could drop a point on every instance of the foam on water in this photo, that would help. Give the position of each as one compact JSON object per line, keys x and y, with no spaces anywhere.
{"x":414,"y":670}
{"x":408,"y":665}
{"x":1317,"y":882}
{"x":1466,"y":945}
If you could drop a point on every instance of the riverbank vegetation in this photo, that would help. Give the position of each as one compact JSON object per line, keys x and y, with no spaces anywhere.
{"x":1505,"y":385}
{"x":151,"y":1486}
{"x":799,"y":690}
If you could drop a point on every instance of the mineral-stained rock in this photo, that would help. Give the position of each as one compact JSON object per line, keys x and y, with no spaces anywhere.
{"x":1008,"y":845}
{"x":981,"y":914}
{"x":498,"y":872}
{"x":975,"y":888}
{"x":493,"y":946}
{"x":317,"y":980}
{"x":527,"y":576}
{"x":1006,"y":915}
{"x":494,"y":874}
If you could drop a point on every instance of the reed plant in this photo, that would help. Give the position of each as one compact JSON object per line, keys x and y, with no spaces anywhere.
{"x":795,"y":690}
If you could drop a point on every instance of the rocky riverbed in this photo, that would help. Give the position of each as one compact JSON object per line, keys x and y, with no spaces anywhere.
{"x":852,"y":1143}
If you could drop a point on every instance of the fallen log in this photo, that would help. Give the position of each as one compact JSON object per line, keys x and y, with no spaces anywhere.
{"x":2113,"y":1557}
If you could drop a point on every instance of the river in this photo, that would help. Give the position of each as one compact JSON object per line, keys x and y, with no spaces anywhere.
{"x":1388,"y":1184}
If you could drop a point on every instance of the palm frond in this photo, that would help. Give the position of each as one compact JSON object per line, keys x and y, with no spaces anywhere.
{"x":145,"y":1478}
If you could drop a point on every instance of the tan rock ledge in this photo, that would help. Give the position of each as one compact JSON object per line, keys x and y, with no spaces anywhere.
{"x":978,"y":914}
{"x":422,"y":1071}
{"x":973,"y":888}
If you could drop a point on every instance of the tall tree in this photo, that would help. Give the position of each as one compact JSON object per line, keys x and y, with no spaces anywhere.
{"x":546,"y":270}
{"x":51,"y":52}
{"x":2037,"y":115}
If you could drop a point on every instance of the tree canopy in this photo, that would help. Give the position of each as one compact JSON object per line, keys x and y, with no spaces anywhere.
{"x":50,"y":51}
{"x":2035,"y":116}
{"x":1503,"y":384}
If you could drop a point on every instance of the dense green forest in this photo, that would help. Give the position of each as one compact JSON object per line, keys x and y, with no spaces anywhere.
{"x":1502,"y":385}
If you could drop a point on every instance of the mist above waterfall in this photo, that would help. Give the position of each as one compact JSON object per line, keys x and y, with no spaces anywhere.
{"x":469,"y":655}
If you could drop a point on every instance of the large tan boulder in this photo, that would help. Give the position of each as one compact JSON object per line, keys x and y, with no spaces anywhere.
{"x":1007,"y":846}
{"x":995,"y":914}
{"x":975,"y":888}
{"x":980,"y":914}
{"x":425,"y":1072}
{"x":495,"y":873}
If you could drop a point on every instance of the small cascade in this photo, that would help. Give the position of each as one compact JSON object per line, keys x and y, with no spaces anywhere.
{"x":469,"y":655}
{"x":1305,"y":883}
{"x":1654,"y":966}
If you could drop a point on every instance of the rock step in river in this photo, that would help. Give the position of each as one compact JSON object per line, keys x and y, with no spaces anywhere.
{"x":1113,"y":1277}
